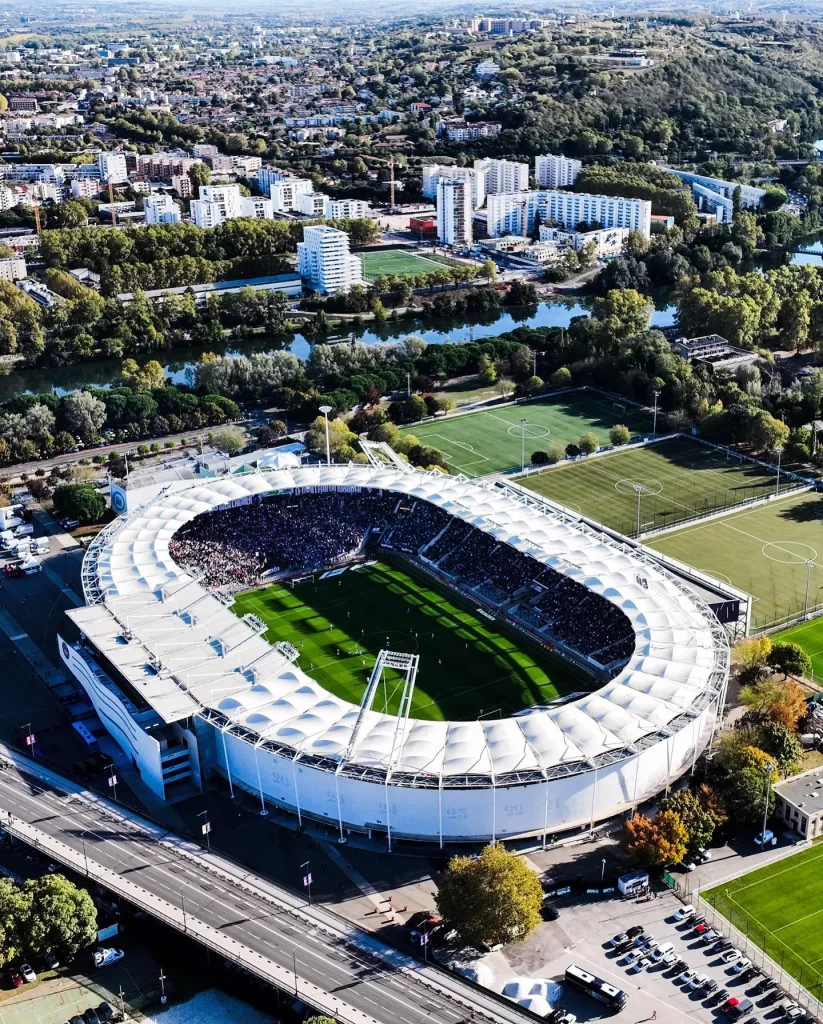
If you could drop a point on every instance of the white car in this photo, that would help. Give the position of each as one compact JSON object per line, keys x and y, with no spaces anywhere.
{"x":732,"y":956}
{"x":104,"y":957}
{"x":792,"y":1011}
{"x":640,"y":965}
{"x":687,"y":975}
{"x":698,"y":982}
{"x":684,"y":913}
{"x":741,"y":965}
{"x":27,"y":972}
{"x":670,"y":959}
{"x":632,"y":956}
{"x":661,"y":951}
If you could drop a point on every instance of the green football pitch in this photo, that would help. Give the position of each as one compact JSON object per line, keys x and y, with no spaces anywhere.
{"x":679,"y":479}
{"x":809,"y":635}
{"x":469,"y":665}
{"x":490,"y":440}
{"x":396,"y":262}
{"x":765,"y":551}
{"x":779,"y":908}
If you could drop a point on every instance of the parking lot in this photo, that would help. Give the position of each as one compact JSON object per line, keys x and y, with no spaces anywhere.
{"x":582,"y":936}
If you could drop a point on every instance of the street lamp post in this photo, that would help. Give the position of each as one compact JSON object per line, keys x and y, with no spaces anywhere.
{"x":603,"y":871}
{"x":305,"y":867}
{"x":162,"y":987}
{"x":522,"y":446}
{"x":183,"y":906}
{"x":638,"y":490}
{"x":113,"y":781}
{"x":326,"y":409}
{"x":85,"y":855}
{"x":769,"y":768}
{"x":654,"y":427}
{"x":294,"y":965}
{"x":809,"y":566}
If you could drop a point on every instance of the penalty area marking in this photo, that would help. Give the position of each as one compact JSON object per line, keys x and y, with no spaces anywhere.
{"x":773,"y":549}
{"x":531,"y":431}
{"x":627,"y":486}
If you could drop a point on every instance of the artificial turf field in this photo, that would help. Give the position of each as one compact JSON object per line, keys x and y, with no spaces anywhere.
{"x":780,"y":908}
{"x":763,"y":551}
{"x":468,"y":664}
{"x":489,"y":440}
{"x":679,"y":479}
{"x":396,"y":262}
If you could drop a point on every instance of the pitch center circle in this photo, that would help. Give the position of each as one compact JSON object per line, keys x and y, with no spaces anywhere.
{"x":531,"y":431}
{"x":627,"y":486}
{"x":789,"y":552}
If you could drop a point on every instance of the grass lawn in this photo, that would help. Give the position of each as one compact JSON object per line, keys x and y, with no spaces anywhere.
{"x":679,"y":479}
{"x":809,"y":635}
{"x":397,"y":262}
{"x":763,"y":551}
{"x":780,"y":909}
{"x":469,"y":665}
{"x":489,"y":441}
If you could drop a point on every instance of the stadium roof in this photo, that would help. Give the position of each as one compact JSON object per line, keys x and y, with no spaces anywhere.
{"x":186,"y":653}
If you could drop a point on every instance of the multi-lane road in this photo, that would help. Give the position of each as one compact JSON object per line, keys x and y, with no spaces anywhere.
{"x":305,"y":950}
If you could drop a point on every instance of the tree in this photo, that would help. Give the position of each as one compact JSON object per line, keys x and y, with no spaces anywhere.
{"x":653,"y":842}
{"x":588,"y":443}
{"x":619,"y":434}
{"x":751,"y":654}
{"x":561,"y":378}
{"x":79,"y":501}
{"x":697,"y":820}
{"x":783,"y":745}
{"x":61,"y":916}
{"x":489,"y":270}
{"x":232,"y":440}
{"x":84,"y":414}
{"x":486,"y":371}
{"x":13,"y":911}
{"x":493,"y":898}
{"x":750,"y":774}
{"x":143,"y":378}
{"x":790,"y":659}
{"x":775,"y":701}
{"x":199,"y":174}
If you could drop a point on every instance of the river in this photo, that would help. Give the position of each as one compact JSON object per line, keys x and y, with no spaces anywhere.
{"x":557,"y":312}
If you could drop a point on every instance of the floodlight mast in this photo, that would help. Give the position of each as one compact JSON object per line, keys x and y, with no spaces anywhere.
{"x":326,"y":409}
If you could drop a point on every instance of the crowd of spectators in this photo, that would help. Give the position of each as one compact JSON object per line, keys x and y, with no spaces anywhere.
{"x":298,"y":533}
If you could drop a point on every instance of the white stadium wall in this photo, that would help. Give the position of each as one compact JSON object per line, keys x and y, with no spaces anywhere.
{"x":277,"y":734}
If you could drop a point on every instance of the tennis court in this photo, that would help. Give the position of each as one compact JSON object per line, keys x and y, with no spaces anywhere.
{"x":395,"y":263}
{"x":493,"y":440}
{"x":677,"y":480}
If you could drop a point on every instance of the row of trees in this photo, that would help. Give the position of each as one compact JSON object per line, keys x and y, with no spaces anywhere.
{"x":43,"y":915}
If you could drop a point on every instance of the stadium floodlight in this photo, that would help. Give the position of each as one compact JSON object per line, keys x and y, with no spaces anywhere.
{"x":522,"y":446}
{"x":326,"y":409}
{"x":638,"y":490}
{"x":654,"y":426}
{"x":779,"y":450}
{"x":809,"y":567}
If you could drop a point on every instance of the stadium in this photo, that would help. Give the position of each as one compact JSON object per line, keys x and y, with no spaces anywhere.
{"x":189,"y":688}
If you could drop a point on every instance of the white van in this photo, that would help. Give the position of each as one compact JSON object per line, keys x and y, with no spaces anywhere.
{"x":24,"y":530}
{"x":40,"y":546}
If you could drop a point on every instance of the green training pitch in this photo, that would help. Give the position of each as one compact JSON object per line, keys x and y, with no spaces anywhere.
{"x":778,"y":907}
{"x":490,"y":440}
{"x":809,"y":636}
{"x":679,"y":479}
{"x":469,"y":665}
{"x":763,"y":550}
{"x":395,"y":262}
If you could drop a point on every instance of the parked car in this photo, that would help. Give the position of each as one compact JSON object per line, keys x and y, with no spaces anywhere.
{"x":649,"y":946}
{"x":791,"y":1011}
{"x":698,"y":982}
{"x":722,"y":945}
{"x":710,"y":985}
{"x":751,"y":973}
{"x":618,"y":940}
{"x":710,"y":936}
{"x":51,"y":961}
{"x":643,"y":964}
{"x":90,"y":1016}
{"x":104,"y":957}
{"x":680,"y":964}
{"x":642,"y":938}
{"x":105,"y":1012}
{"x":741,"y":965}
{"x":15,"y":977}
{"x":687,"y":975}
{"x":660,"y":952}
{"x":731,"y":956}
{"x":632,"y":956}
{"x":720,"y":996}
{"x":27,"y":972}
{"x":669,"y":960}
{"x":684,"y":913}
{"x":634,"y":931}
{"x":766,"y":985}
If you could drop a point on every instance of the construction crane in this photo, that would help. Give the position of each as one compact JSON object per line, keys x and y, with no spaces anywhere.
{"x":36,"y":208}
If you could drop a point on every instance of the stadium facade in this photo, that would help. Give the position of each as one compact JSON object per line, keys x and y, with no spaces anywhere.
{"x":187,"y":689}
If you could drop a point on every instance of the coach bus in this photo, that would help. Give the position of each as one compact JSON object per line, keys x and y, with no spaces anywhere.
{"x":614,"y":998}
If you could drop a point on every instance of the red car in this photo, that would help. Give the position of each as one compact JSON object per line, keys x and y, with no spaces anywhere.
{"x":15,"y":977}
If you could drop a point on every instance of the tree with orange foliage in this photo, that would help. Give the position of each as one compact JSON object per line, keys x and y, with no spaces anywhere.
{"x":776,"y":701}
{"x":653,"y":842}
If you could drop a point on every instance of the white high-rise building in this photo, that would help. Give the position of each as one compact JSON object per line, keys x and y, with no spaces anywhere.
{"x":285,"y":193}
{"x":337,"y":209}
{"x":325,"y":262}
{"x":555,"y":171}
{"x":571,"y":208}
{"x":503,"y":175}
{"x":161,"y":209}
{"x":510,"y":213}
{"x":112,"y":168}
{"x":217,"y":204}
{"x":312,"y":204}
{"x":257,"y":207}
{"x":432,"y":173}
{"x":454,"y":211}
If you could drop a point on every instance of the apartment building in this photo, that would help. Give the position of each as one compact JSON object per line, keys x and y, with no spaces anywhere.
{"x":258,"y":208}
{"x":463,"y":131}
{"x":268,"y":176}
{"x":85,"y":188}
{"x":13,"y":268}
{"x":162,"y":166}
{"x":454,"y":211}
{"x":432,"y":173}
{"x":245,"y":166}
{"x":205,"y":151}
{"x":325,"y":262}
{"x":503,"y":175}
{"x":607,"y":242}
{"x":112,"y":167}
{"x":336,"y":209}
{"x":514,"y":213}
{"x":181,"y":183}
{"x":714,"y":195}
{"x":555,"y":171}
{"x":312,"y":204}
{"x":285,"y":194}
{"x":161,"y":209}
